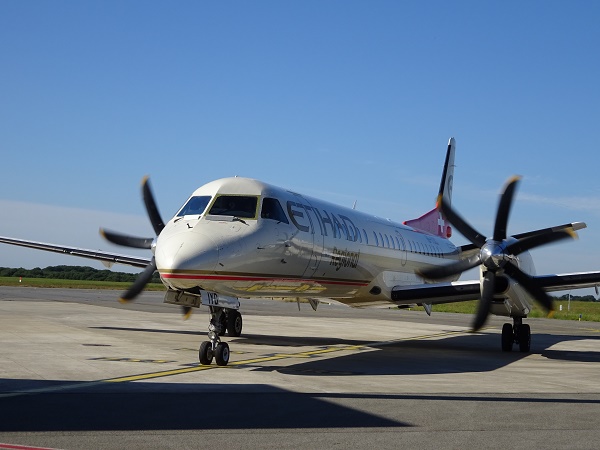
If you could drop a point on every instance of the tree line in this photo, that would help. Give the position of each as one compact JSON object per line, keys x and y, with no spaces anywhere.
{"x":577,"y":298}
{"x":72,"y":273}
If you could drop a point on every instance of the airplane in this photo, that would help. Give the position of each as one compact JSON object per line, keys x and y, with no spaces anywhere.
{"x":238,"y":238}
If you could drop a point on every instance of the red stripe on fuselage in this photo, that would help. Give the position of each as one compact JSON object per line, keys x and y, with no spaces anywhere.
{"x":251,"y":278}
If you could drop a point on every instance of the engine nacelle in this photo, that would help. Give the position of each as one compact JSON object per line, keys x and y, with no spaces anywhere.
{"x":511,"y":299}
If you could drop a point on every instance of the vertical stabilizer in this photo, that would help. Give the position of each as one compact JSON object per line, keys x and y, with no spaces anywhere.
{"x":433,"y":222}
{"x":448,"y":173}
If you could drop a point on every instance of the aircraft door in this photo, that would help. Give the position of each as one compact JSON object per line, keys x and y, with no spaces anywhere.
{"x":400,"y":240}
{"x":308,"y":242}
{"x":274,"y":238}
{"x":318,"y":246}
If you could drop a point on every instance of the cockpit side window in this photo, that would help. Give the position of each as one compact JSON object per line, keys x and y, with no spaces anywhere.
{"x":195,"y":206}
{"x":271,"y":209}
{"x":235,"y":205}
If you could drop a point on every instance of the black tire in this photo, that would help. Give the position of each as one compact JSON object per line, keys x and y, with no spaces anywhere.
{"x":234,"y":323}
{"x":205,"y":354}
{"x":507,"y":337}
{"x":223,"y":324}
{"x":222,"y":354}
{"x":524,"y":338}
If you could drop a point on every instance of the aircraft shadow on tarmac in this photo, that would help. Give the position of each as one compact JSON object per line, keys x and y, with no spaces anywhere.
{"x":255,"y":339}
{"x":102,"y":406}
{"x":452,"y":354}
{"x":167,"y":406}
{"x":170,"y":406}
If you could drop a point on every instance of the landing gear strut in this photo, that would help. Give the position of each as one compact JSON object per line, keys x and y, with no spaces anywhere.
{"x":519,"y":334}
{"x":221,"y":320}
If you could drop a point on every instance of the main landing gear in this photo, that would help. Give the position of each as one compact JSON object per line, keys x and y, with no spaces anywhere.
{"x":221,"y":320}
{"x":519,"y":333}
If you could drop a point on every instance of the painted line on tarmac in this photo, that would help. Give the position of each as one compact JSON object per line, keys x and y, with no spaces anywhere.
{"x":279,"y":356}
{"x":242,"y":363}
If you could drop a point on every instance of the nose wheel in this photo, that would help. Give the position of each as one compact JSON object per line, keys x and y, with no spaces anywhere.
{"x":219,"y":323}
{"x":220,"y":353}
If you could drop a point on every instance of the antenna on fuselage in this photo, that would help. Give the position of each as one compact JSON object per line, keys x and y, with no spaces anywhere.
{"x":354,"y":206}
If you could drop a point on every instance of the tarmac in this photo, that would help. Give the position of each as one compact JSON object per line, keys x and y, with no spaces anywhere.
{"x":78,"y":370}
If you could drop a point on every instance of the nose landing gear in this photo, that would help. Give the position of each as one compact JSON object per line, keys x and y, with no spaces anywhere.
{"x":221,"y":320}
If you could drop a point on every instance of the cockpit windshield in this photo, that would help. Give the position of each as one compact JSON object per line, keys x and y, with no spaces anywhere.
{"x":235,"y":205}
{"x":195,"y":206}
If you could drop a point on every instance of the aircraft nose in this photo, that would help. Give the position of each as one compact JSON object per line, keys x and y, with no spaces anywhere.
{"x":187,"y":251}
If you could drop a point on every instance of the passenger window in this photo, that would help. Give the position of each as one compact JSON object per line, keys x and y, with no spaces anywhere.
{"x":235,"y":205}
{"x":194,"y":206}
{"x":271,"y":209}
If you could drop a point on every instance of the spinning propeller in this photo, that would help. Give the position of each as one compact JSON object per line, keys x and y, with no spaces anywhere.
{"x":498,"y":254}
{"x":140,"y":242}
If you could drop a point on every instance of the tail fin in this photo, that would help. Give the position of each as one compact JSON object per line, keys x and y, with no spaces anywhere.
{"x":433,"y":222}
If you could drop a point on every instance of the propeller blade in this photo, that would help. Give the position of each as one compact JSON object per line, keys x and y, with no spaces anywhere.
{"x":574,"y":226}
{"x":485,"y":302}
{"x":531,"y":242}
{"x":151,"y":208}
{"x":187,"y":312}
{"x":461,"y":224}
{"x":140,"y":282}
{"x":125,"y":240}
{"x":506,"y":200}
{"x":530,"y":284}
{"x":450,"y":269}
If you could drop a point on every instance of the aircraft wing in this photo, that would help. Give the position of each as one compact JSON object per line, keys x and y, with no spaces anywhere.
{"x":566,"y":281}
{"x":107,"y":258}
{"x":434,"y":293}
{"x":462,"y":291}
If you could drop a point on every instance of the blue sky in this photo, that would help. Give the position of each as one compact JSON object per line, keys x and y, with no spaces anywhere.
{"x":343,"y":100}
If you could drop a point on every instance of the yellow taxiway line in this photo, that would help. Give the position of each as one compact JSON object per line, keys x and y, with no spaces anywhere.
{"x":245,"y":362}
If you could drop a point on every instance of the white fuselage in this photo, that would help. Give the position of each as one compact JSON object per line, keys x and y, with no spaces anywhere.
{"x":315,"y":249}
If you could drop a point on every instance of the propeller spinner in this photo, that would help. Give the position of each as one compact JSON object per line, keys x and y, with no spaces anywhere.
{"x":498,"y":255}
